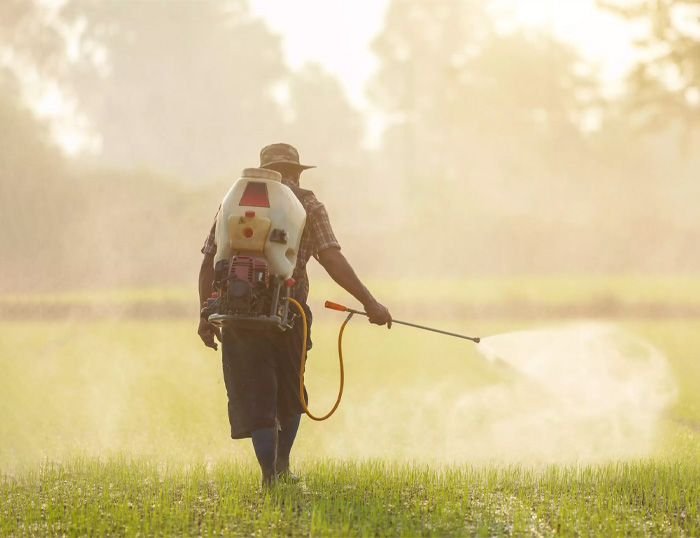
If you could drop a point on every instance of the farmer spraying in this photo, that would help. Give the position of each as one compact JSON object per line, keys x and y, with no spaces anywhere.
{"x":248,"y":296}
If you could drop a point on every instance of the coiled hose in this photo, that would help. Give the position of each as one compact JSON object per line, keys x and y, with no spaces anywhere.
{"x":303,"y":362}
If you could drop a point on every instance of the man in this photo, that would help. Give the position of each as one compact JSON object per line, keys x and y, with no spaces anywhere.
{"x":262,"y":368}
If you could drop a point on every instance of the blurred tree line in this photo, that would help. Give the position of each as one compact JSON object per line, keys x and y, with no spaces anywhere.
{"x":499,"y":154}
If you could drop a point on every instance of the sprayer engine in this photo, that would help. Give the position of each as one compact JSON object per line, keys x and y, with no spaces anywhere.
{"x":246,"y":295}
{"x":245,"y":286}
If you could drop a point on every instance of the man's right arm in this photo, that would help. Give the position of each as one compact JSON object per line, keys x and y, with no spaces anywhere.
{"x":206,"y":278}
{"x":340,"y":270}
{"x":206,"y":330}
{"x":327,"y":250}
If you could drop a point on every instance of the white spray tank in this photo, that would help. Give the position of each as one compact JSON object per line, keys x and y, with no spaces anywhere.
{"x":258,"y":232}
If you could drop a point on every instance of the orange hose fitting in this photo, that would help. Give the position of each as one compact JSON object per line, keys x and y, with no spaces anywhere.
{"x":336,"y":306}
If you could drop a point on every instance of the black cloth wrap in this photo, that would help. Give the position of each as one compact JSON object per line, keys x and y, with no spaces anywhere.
{"x":261,"y":373}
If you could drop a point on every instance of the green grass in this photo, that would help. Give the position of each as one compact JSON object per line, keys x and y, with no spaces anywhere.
{"x":119,"y":428}
{"x":117,"y":497}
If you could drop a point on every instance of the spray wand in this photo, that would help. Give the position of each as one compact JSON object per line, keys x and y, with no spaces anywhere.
{"x":341,"y":308}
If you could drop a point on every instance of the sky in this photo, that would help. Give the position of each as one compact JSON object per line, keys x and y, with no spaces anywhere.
{"x":338,"y":34}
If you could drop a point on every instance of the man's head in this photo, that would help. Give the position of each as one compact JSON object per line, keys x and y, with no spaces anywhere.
{"x":283,"y":158}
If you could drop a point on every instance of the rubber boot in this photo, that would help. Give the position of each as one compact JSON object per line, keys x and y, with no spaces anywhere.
{"x":287,"y":435}
{"x":265,"y":446}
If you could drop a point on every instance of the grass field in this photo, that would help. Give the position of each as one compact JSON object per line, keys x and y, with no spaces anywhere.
{"x":137,"y":498}
{"x":119,"y":428}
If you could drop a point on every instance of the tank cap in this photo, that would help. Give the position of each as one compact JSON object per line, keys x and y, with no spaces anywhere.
{"x":261,"y":173}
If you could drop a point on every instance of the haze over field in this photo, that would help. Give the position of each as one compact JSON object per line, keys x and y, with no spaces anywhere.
{"x":567,"y":394}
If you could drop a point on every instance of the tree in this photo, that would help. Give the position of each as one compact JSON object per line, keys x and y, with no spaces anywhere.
{"x":664,"y":88}
{"x":30,"y":37}
{"x":451,"y":87}
{"x":422,"y":49}
{"x":469,"y":104}
{"x":35,"y":202}
{"x":186,"y":87}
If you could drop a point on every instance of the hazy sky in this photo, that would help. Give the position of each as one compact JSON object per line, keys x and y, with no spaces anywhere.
{"x":338,"y":33}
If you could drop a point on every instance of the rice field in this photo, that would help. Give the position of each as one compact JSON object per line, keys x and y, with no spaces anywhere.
{"x":91,"y":497}
{"x":118,"y":427}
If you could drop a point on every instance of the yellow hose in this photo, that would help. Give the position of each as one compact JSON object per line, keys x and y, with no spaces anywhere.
{"x":303,"y":363}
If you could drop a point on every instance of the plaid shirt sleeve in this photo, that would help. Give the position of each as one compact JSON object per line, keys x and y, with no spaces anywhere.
{"x":210,"y":242}
{"x":319,"y":227}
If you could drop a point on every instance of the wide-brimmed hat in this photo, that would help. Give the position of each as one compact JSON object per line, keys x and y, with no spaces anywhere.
{"x":281,"y":154}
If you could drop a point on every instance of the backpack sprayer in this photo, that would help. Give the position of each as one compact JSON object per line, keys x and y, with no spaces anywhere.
{"x":258,"y":233}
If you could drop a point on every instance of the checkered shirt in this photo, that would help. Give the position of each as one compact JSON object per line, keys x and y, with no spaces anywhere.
{"x":318,"y":236}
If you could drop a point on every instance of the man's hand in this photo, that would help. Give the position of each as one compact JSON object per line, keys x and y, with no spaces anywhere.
{"x":207,"y":331}
{"x":378,"y":314}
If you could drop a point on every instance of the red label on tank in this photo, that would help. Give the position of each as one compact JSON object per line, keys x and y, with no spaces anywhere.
{"x":255,"y":194}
